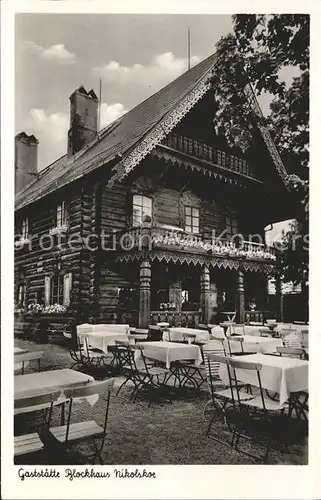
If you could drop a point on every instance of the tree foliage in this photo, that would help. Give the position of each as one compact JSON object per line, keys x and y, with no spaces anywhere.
{"x":261,"y":50}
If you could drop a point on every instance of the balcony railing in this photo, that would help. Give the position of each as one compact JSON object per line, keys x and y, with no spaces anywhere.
{"x":149,"y":238}
{"x":206,"y":152}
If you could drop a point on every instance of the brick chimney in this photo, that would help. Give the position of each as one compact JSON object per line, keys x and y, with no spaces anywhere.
{"x":83,"y":119}
{"x":26,"y":160}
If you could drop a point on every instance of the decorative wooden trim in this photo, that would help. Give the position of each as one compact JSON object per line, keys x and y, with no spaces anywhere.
{"x":196,"y":260}
{"x":158,"y":133}
{"x":250,"y":95}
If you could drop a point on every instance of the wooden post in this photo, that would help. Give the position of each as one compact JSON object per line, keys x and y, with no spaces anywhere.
{"x":279,"y":299}
{"x":205,"y":294}
{"x":240,"y":301}
{"x":145,"y":275}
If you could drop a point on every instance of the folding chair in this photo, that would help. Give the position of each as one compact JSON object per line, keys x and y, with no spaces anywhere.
{"x":125,"y":357}
{"x":152,"y":378}
{"x":254,"y":415}
{"x":31,"y":443}
{"x":239,"y":340}
{"x":222,"y":399}
{"x":83,"y":356}
{"x":155,"y":333}
{"x":26,"y":357}
{"x":291,"y":352}
{"x":72,"y":433}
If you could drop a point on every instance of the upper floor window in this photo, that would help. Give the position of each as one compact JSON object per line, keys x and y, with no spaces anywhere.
{"x":25,"y":229}
{"x":192,"y":220}
{"x":61,"y":214}
{"x":142,"y":206}
{"x":230,"y":225}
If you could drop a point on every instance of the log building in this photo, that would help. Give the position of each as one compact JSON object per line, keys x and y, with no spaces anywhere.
{"x":136,"y":223}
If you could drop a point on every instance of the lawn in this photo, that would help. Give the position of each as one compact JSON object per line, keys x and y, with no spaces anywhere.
{"x":170,"y":434}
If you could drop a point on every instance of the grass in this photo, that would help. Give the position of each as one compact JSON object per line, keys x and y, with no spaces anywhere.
{"x":171,"y":434}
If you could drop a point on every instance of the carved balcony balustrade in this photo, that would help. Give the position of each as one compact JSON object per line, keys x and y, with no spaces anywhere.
{"x":203,"y":151}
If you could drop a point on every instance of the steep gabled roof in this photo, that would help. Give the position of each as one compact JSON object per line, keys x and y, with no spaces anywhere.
{"x":131,"y":137}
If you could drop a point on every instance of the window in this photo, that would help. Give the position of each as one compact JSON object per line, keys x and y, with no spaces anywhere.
{"x":25,"y":229}
{"x":21,"y":295}
{"x":57,"y":289}
{"x":142,"y":206}
{"x":61,"y":214}
{"x":230,"y":225}
{"x":192,"y":218}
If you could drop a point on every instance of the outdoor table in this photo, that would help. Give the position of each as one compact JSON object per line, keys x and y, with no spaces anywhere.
{"x":279,"y":374}
{"x":53,"y":380}
{"x":169,"y":352}
{"x":254,"y":344}
{"x":102,"y":339}
{"x":18,"y":366}
{"x":178,"y":334}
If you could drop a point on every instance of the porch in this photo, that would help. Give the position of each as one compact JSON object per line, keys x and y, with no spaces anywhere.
{"x":170,"y":282}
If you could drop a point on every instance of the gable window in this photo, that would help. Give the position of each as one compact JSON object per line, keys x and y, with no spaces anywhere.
{"x":25,"y":229}
{"x":230,"y":225}
{"x":142,"y":206}
{"x":192,"y":219}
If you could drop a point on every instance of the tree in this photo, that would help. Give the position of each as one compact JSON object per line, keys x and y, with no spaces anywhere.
{"x":261,"y":49}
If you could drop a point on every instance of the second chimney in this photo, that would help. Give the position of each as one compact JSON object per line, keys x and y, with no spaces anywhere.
{"x":26,"y":160}
{"x":83,"y":119}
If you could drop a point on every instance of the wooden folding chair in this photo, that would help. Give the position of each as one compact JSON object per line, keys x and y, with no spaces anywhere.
{"x":72,"y":433}
{"x":26,"y":357}
{"x":222,"y":399}
{"x":291,"y":352}
{"x":155,"y":333}
{"x":239,"y":340}
{"x":30,"y":443}
{"x":254,"y":414}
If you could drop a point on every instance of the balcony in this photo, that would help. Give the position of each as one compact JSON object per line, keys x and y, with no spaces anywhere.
{"x":202,"y":151}
{"x":177,"y":240}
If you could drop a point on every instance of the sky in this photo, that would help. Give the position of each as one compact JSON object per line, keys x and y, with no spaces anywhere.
{"x":134,"y":55}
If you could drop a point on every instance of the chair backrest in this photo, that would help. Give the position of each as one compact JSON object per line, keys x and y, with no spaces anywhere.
{"x":28,"y":356}
{"x":100,"y":388}
{"x":297,"y":352}
{"x":37,"y":399}
{"x":90,"y":389}
{"x":212,"y":360}
{"x":264,"y":333}
{"x":155,"y":333}
{"x":230,"y":339}
{"x":292,"y":339}
{"x":123,"y":343}
{"x":239,"y":329}
{"x":236,"y":364}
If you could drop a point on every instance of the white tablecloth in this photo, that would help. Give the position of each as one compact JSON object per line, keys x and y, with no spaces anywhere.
{"x":177,"y":335}
{"x":102,"y":339}
{"x":167,"y":352}
{"x":43,"y":382}
{"x":102,"y":327}
{"x":279,"y":374}
{"x":252,"y":343}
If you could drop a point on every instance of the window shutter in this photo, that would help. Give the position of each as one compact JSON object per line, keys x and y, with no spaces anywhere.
{"x":47,"y":290}
{"x":67,"y":289}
